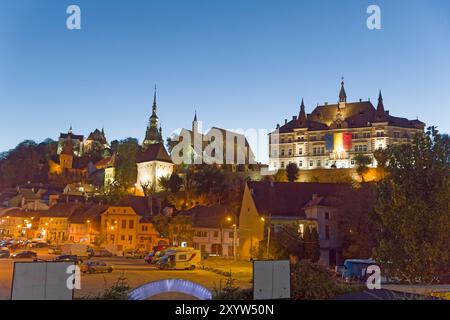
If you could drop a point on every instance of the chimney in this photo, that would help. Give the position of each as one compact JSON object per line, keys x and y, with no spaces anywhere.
{"x":294,"y":118}
{"x":285,"y":121}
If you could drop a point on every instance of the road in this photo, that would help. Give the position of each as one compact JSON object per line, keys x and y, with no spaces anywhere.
{"x":137,"y":273}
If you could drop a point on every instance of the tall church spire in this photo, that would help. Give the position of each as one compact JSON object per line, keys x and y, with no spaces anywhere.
{"x":153,"y":134}
{"x":342,"y":93}
{"x":195,"y":123}
{"x":154,"y":103}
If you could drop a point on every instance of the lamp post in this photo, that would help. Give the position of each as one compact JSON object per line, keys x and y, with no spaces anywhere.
{"x":268,"y":234}
{"x":234,"y":235}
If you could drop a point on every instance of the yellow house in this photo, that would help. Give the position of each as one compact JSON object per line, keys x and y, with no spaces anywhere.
{"x":54,"y":223}
{"x":18,"y":223}
{"x":121,"y":228}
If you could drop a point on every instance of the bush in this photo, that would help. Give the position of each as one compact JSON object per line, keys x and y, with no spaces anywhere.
{"x":118,"y":291}
{"x":312,"y":282}
{"x":230,"y":291}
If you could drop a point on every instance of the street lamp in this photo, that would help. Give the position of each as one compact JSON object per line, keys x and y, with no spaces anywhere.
{"x":229,"y":219}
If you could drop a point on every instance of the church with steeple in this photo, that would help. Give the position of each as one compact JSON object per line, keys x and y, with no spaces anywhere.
{"x":153,"y":162}
{"x":332,"y":135}
{"x":153,"y":134}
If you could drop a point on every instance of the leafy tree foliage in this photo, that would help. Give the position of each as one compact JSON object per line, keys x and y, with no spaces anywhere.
{"x":292,"y":172}
{"x":126,"y":171}
{"x":413,"y":207}
{"x":27,"y":162}
{"x":362,"y":162}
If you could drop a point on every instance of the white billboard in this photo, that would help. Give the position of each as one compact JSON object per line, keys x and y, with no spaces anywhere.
{"x":271,"y":279}
{"x":42,"y":281}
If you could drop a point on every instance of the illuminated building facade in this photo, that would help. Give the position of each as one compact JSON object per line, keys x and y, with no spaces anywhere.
{"x":334,"y":134}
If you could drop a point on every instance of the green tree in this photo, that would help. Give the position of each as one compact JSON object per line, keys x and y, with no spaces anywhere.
{"x":311,"y":244}
{"x":126,"y":171}
{"x":174,"y":183}
{"x":292,"y":172}
{"x":413,"y":207}
{"x":362,"y":162}
{"x":209,"y":181}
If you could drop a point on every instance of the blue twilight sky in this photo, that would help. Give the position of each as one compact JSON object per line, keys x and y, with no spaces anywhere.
{"x":241,"y":64}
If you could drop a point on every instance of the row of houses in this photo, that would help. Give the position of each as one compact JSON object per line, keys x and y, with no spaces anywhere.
{"x":143,"y":222}
{"x":133,"y":223}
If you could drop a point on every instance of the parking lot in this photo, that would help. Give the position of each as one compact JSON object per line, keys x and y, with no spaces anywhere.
{"x":137,"y":272}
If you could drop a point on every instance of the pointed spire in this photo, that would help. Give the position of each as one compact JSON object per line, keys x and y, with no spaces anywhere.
{"x":70,"y":129}
{"x":302,"y":118}
{"x":381,"y":114}
{"x":342,"y":93}
{"x":154,"y":103}
{"x":380,"y":106}
{"x":195,"y":116}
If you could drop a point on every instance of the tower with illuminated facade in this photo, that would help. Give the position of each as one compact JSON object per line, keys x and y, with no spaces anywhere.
{"x":153,"y":134}
{"x":333,"y":134}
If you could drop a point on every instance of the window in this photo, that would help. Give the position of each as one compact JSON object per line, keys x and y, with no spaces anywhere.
{"x":111,"y":237}
{"x":282,"y":152}
{"x":216,"y":234}
{"x":327,"y":216}
{"x":380,"y":146}
{"x":131,"y":224}
{"x":396,"y":135}
{"x":300,"y":164}
{"x":282,"y":164}
{"x":231,"y":235}
{"x":319,"y":163}
{"x":300,"y":151}
{"x":290,"y":152}
{"x":122,"y":237}
{"x":124,"y":224}
{"x":182,"y":257}
{"x":130,"y":238}
{"x":311,"y":163}
{"x":327,"y":232}
{"x":314,"y":151}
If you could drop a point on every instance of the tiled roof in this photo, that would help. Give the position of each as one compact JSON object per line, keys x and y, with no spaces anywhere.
{"x":154,"y":152}
{"x":208,"y":217}
{"x":141,"y":205}
{"x":355,"y":114}
{"x":89,"y":212}
{"x":288,"y":199}
{"x":62,"y":210}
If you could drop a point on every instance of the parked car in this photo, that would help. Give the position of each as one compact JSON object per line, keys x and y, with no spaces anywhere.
{"x":4,"y":253}
{"x":68,"y":258}
{"x":133,"y":254}
{"x":24,"y":255}
{"x":38,"y":245}
{"x":95,"y":267}
{"x":102,"y":253}
{"x":54,"y":250}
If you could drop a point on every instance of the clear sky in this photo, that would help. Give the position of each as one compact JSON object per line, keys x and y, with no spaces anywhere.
{"x":240,"y":63}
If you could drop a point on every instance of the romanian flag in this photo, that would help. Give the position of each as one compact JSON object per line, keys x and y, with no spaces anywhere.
{"x":329,"y":144}
{"x":347,"y":139}
{"x":338,"y":141}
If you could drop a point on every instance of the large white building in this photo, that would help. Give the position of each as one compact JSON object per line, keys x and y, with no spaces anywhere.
{"x":153,"y":164}
{"x":333,"y":134}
